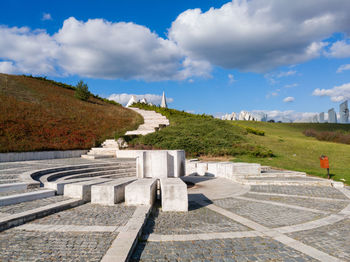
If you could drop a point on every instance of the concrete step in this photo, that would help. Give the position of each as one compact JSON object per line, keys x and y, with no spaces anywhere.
{"x":12,"y":187}
{"x":25,"y":197}
{"x":96,"y":156}
{"x":82,"y":190}
{"x":23,"y":217}
{"x":55,"y":175}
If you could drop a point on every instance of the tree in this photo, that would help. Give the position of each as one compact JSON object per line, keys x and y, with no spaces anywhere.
{"x":82,"y":91}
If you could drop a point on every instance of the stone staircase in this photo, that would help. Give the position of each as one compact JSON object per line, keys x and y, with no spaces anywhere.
{"x":152,"y":121}
{"x":108,"y":150}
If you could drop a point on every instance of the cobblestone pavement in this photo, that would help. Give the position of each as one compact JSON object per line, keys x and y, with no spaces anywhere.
{"x":244,"y":249}
{"x":20,"y":245}
{"x":326,"y":205}
{"x":333,"y":239}
{"x":266,"y":214}
{"x":25,"y":206}
{"x":197,"y":220}
{"x":90,"y":215}
{"x":312,"y":191}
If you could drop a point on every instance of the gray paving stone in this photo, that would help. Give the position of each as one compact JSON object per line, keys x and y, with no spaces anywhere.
{"x":25,"y":206}
{"x":313,"y":191}
{"x":20,"y":245}
{"x":266,"y":214}
{"x":333,"y":239}
{"x":291,"y":178}
{"x":331,"y":206}
{"x":197,"y":220}
{"x":244,"y":249}
{"x":90,"y":215}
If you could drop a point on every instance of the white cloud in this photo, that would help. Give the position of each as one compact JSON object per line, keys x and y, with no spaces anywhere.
{"x":291,"y":85}
{"x":260,"y":35}
{"x":46,"y":16}
{"x":231,"y":78}
{"x":343,"y":68}
{"x":287,"y":116}
{"x":340,"y":49}
{"x":288,"y":99}
{"x":337,"y":93}
{"x":151,"y":98}
{"x":7,"y":67}
{"x":98,"y":49}
{"x":26,"y":51}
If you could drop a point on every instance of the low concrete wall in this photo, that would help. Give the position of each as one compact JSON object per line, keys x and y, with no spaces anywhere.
{"x":42,"y":155}
{"x":228,"y":170}
{"x":156,"y":163}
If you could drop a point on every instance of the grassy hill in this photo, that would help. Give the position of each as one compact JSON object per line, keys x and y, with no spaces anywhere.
{"x":293,"y":150}
{"x":279,"y":145}
{"x":39,"y":114}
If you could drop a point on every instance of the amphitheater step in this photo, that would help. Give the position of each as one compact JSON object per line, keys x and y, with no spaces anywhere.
{"x":82,"y":190}
{"x":25,"y":197}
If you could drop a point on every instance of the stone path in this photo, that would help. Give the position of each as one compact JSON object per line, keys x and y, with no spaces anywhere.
{"x":152,"y":120}
{"x":261,"y":223}
{"x":226,"y":222}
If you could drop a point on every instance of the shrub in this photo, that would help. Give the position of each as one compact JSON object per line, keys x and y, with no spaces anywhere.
{"x":330,"y":136}
{"x":82,"y":91}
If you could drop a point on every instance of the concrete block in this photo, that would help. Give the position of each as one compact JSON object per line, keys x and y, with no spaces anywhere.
{"x":246,"y":169}
{"x":202,"y":168}
{"x":174,"y":195}
{"x":191,"y":168}
{"x":141,"y":192}
{"x":157,"y":164}
{"x":110,"y":193}
{"x":82,"y":190}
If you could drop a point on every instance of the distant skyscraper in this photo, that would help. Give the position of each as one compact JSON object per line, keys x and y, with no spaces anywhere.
{"x":332,"y":116}
{"x":321,"y":117}
{"x":344,"y":112}
{"x":163,"y":104}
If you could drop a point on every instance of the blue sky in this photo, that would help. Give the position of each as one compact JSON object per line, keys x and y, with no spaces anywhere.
{"x":209,"y":57}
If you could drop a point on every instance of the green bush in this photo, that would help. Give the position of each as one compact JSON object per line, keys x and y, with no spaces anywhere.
{"x":82,"y":91}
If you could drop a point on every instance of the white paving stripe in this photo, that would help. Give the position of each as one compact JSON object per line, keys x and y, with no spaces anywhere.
{"x":283,"y":205}
{"x":66,"y":228}
{"x":201,"y":236}
{"x":274,"y":234}
{"x":298,"y":196}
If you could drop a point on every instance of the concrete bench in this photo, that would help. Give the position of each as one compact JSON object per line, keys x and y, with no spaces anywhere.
{"x":141,"y":192}
{"x":82,"y":190}
{"x":174,"y":195}
{"x":110,"y":193}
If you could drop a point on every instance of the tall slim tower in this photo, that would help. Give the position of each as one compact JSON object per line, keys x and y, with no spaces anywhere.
{"x":344,"y":112}
{"x":163,"y":104}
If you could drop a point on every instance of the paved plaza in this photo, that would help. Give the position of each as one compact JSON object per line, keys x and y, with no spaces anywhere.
{"x":226,"y":221}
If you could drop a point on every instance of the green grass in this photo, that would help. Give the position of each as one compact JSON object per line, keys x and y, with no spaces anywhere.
{"x":295,"y":151}
{"x":199,"y":135}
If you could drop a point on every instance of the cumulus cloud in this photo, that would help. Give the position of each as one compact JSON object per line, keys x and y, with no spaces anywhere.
{"x":259,"y":35}
{"x":151,"y":98}
{"x":288,"y":99}
{"x":26,"y":51}
{"x":98,"y":49}
{"x":46,"y":16}
{"x":343,"y":68}
{"x":288,"y":115}
{"x":337,"y":93}
{"x":340,"y":49}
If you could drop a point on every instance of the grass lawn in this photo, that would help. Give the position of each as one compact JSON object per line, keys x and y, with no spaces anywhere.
{"x":294,"y":151}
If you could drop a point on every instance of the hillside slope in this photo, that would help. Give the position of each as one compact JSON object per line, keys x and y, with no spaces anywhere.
{"x":40,"y":115}
{"x":293,"y":150}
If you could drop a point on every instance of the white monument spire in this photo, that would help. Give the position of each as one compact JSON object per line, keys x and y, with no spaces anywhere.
{"x":163,"y":104}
